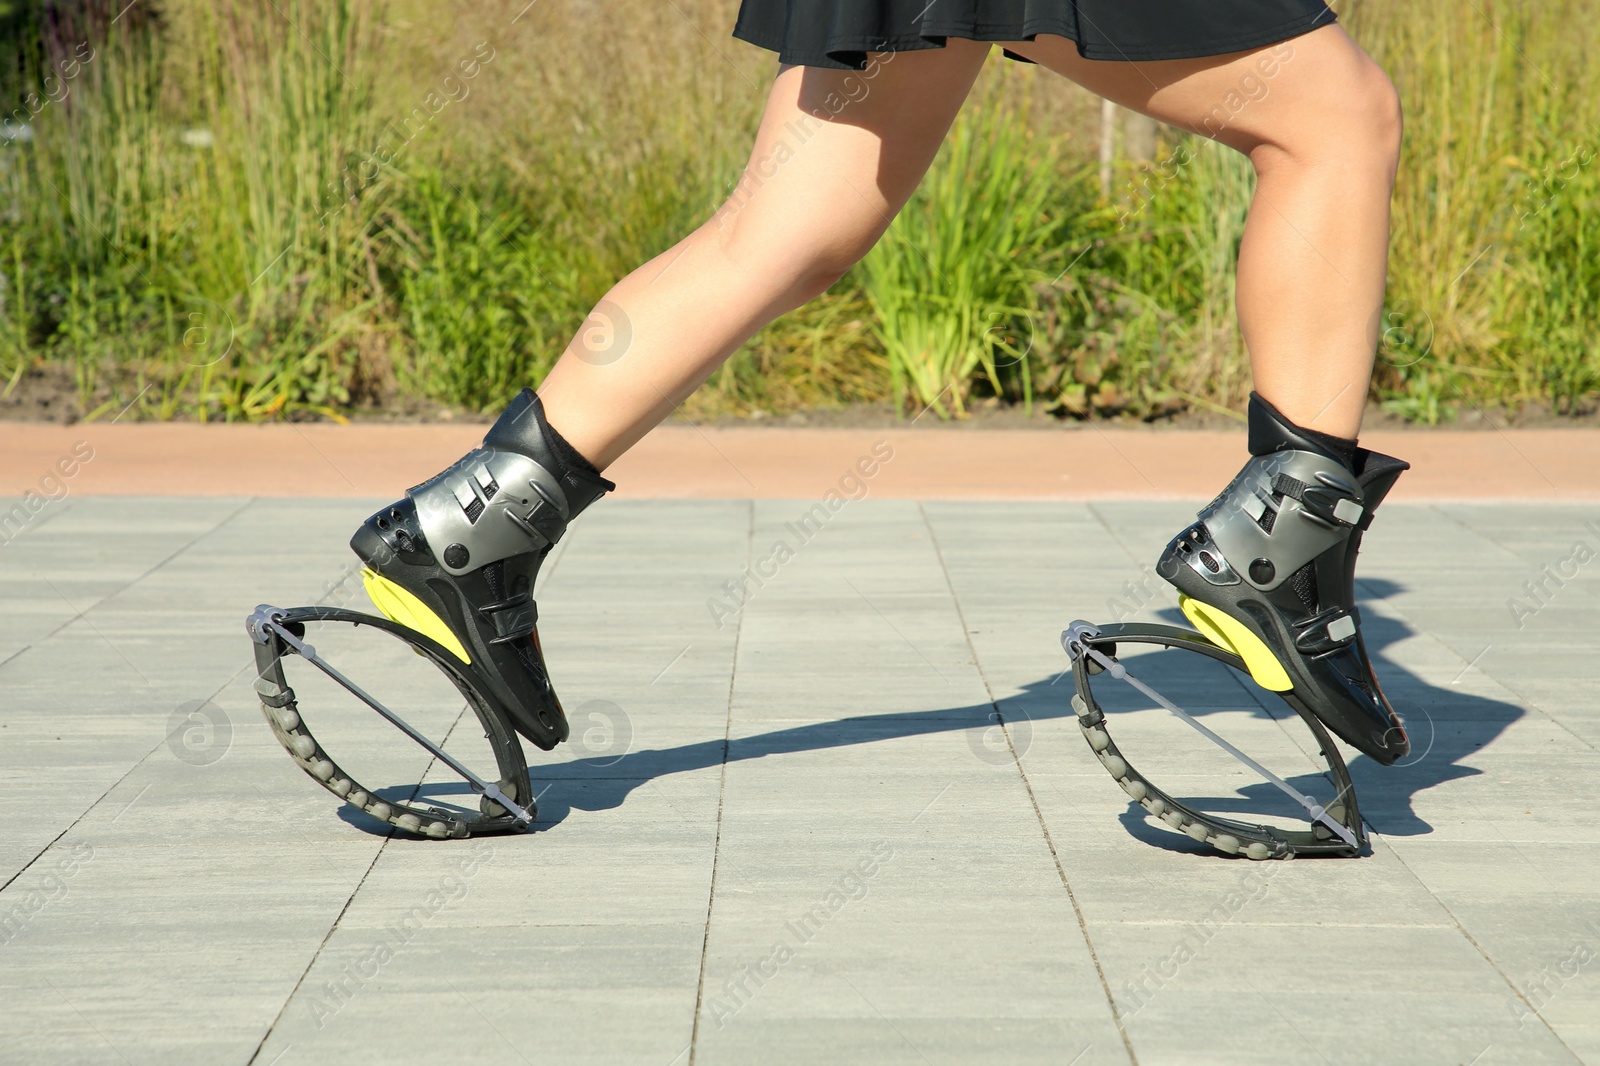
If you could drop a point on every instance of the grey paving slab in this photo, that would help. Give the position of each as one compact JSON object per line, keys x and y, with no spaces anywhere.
{"x":866,"y":820}
{"x":1479,"y":731}
{"x":823,"y":803}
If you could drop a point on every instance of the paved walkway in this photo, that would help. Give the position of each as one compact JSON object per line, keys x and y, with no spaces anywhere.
{"x":796,"y":836}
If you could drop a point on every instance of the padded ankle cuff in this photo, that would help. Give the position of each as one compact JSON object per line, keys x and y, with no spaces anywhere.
{"x":523,"y":429}
{"x":1271,"y":431}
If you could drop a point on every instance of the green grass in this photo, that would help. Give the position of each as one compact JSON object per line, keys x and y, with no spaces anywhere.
{"x":1494,"y":273}
{"x":248,"y":210}
{"x":950,"y":280}
{"x":205,"y":274}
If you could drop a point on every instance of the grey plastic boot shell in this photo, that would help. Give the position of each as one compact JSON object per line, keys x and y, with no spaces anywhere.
{"x":512,"y":495}
{"x":1276,"y":551}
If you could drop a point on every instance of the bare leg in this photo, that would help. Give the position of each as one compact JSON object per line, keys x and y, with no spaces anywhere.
{"x":837,"y":155}
{"x":1321,"y":123}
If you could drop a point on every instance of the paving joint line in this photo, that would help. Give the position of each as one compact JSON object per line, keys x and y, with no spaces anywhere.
{"x":1524,"y":703}
{"x":1055,"y":857}
{"x":315,"y":955}
{"x":108,"y":597}
{"x":159,"y":745}
{"x":141,"y":761}
{"x":40,"y":853}
{"x":722,"y":790}
{"x":249,"y":665}
{"x":1512,"y":844}
{"x":1093,"y":507}
{"x":1438,"y":508}
{"x":1528,"y":704}
{"x":1469,"y":938}
{"x":333,"y":926}
{"x":102,"y":798}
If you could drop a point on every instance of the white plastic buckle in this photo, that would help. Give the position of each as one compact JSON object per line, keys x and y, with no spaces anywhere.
{"x":1348,"y":511}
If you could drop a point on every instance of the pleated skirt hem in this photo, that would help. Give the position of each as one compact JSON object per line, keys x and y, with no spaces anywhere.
{"x":851,"y":52}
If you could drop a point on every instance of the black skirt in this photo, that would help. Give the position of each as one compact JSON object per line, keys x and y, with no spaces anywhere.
{"x":840,"y":33}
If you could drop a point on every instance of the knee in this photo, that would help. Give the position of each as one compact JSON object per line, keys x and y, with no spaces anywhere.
{"x":1380,"y":115}
{"x":806,"y":267}
{"x":824,"y":267}
{"x":1357,"y":128}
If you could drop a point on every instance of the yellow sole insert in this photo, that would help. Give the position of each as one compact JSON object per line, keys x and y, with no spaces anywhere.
{"x":1230,"y":633}
{"x":402,"y":607}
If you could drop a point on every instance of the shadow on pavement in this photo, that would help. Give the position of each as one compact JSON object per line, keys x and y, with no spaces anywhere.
{"x":1446,"y":727}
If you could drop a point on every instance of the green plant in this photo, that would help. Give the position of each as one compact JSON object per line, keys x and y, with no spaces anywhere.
{"x":1143,"y":322}
{"x":1553,"y":343}
{"x":179,"y":188}
{"x":952,"y":273}
{"x":1495,"y":237}
{"x":204,"y":224}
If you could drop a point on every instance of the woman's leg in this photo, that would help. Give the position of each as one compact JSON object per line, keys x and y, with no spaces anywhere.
{"x":1321,"y":123}
{"x":838,"y":154}
{"x":1267,"y":568}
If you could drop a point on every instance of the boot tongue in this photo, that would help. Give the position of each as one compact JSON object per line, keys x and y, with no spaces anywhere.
{"x":517,"y":429}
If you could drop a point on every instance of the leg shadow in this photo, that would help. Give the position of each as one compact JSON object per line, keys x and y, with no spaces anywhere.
{"x":1446,"y":728}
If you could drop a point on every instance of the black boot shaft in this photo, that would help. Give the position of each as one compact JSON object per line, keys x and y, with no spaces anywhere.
{"x":1376,"y":474}
{"x":522,"y":428}
{"x":1271,"y":431}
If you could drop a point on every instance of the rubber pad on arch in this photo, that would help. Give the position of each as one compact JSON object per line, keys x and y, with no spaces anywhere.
{"x":1231,"y":634}
{"x":401,"y":607}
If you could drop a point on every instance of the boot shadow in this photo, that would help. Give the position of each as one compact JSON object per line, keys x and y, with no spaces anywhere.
{"x":1446,"y":727}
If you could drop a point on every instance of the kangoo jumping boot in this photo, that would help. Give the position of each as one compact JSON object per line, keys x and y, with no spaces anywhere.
{"x":1268,"y":570}
{"x":457,"y":558}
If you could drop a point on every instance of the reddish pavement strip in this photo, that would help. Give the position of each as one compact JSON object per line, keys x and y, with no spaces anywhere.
{"x":685,"y":462}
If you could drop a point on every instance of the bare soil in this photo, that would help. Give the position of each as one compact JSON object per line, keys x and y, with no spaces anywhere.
{"x":48,"y":394}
